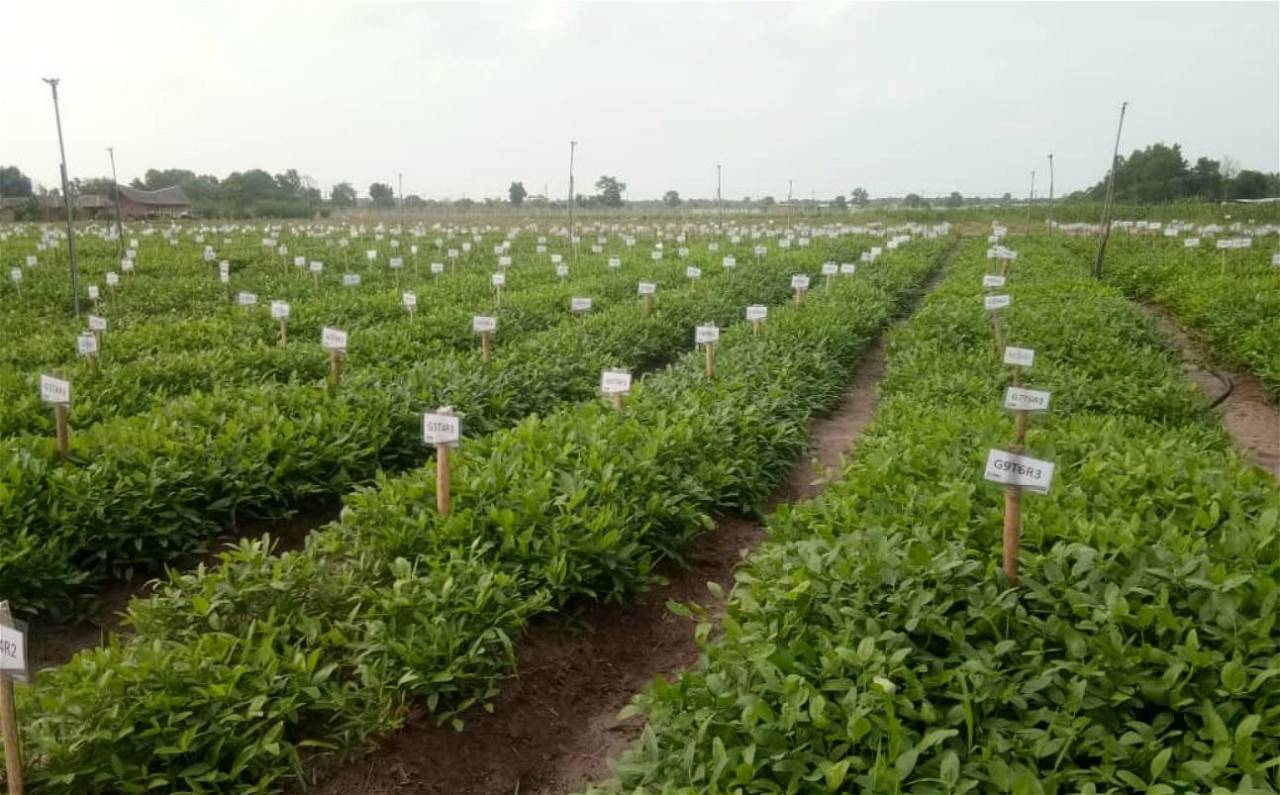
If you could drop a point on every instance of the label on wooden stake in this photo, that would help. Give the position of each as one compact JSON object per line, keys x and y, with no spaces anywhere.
{"x":279,"y":310}
{"x":441,"y":429}
{"x":800,"y":282}
{"x":247,"y":299}
{"x":484,"y":323}
{"x":350,"y":280}
{"x":615,"y":262}
{"x":1019,"y":357}
{"x":498,"y":279}
{"x":504,"y":262}
{"x":1020,"y":399}
{"x":1023,"y":471}
{"x":13,"y":652}
{"x":299,"y":262}
{"x":97,"y":323}
{"x":87,"y":343}
{"x":706,"y":334}
{"x":693,"y":272}
{"x":579,"y":304}
{"x":830,"y":269}
{"x":55,"y":390}
{"x":332,"y":339}
{"x":562,"y":271}
{"x":396,"y":263}
{"x":437,"y":267}
{"x":647,"y":288}
{"x":316,"y":267}
{"x":729,"y":263}
{"x":848,"y":268}
{"x":15,"y":274}
{"x":996,"y":301}
{"x":757,"y":312}
{"x":615,"y":382}
{"x":992,"y":280}
{"x":93,"y":292}
{"x":410,"y":300}
{"x":113,"y":278}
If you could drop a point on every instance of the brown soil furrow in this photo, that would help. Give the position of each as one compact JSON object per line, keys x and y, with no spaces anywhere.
{"x":1252,"y":421}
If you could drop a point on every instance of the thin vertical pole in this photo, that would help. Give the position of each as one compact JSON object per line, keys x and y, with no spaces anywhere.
{"x":1050,"y":186}
{"x":115,"y":193}
{"x":719,"y":206}
{"x":1106,"y":205}
{"x":66,"y":198}
{"x":572,"y":145}
{"x":9,"y":722}
{"x":400,"y":177}
{"x":1031,"y":199}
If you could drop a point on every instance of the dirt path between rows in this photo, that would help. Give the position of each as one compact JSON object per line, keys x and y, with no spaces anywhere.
{"x":554,"y":726}
{"x":1252,"y":421}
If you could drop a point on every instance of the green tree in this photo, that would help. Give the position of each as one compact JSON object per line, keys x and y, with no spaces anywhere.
{"x":1205,"y":180}
{"x":343,"y":195}
{"x":464,"y":204}
{"x":840,"y":203}
{"x":860,"y":197}
{"x":609,"y":189}
{"x":516,"y":193}
{"x":14,"y":183}
{"x":289,"y":183}
{"x":768,"y":201}
{"x":93,"y":186}
{"x":414,"y":200}
{"x":955,"y":200}
{"x":914,"y":201}
{"x":382,"y":195}
{"x":671,"y":198}
{"x":1250,"y":185}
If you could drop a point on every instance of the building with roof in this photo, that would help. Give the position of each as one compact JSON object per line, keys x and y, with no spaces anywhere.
{"x":171,"y":202}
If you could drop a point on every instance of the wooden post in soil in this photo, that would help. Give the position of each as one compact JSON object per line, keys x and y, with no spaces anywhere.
{"x":484,"y":346}
{"x":648,"y":304}
{"x":710,"y":349}
{"x":444,"y":503}
{"x":335,"y":368}
{"x":997,"y":328}
{"x":1012,"y":539}
{"x":9,"y":721}
{"x":284,"y":331}
{"x":62,"y":430}
{"x":755,"y":327}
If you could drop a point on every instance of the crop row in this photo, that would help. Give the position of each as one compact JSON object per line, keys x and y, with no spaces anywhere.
{"x":141,"y":490}
{"x":874,"y":645}
{"x":442,"y":321}
{"x":239,"y":674}
{"x":1228,"y":298}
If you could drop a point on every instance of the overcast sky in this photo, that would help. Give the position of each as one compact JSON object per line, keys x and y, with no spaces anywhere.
{"x":925,"y":97}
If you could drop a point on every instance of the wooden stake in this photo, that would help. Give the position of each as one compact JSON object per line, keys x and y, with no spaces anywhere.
{"x":617,"y":401}
{"x":443,"y":503}
{"x":335,"y":368}
{"x":484,"y":346}
{"x":799,"y":296}
{"x":9,"y":722}
{"x":648,"y":303}
{"x":62,"y":431}
{"x":755,"y":327}
{"x":998,"y":328}
{"x":1012,"y":527}
{"x":284,"y":331}
{"x":710,"y":348}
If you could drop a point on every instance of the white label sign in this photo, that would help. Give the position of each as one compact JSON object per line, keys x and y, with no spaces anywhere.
{"x":97,"y":323}
{"x":757,"y":312}
{"x":93,"y":292}
{"x":729,"y":263}
{"x":615,"y":382}
{"x":397,"y":263}
{"x":647,"y":288}
{"x":693,"y":272}
{"x":13,"y":652}
{"x":556,"y":259}
{"x":504,"y":262}
{"x":351,"y":280}
{"x":830,"y":269}
{"x":437,"y":267}
{"x":113,"y":278}
{"x":441,"y":429}
{"x":279,"y":310}
{"x":16,"y":274}
{"x":87,"y":343}
{"x":54,"y":390}
{"x":481,"y":324}
{"x":410,"y":300}
{"x":1019,"y":357}
{"x":299,"y":262}
{"x":580,"y":304}
{"x":615,"y":263}
{"x":332,"y":339}
{"x":848,"y":268}
{"x":316,"y":267}
{"x":996,"y":301}
{"x":247,"y":299}
{"x":706,"y":334}
{"x":991,"y":280}
{"x":1020,"y":399}
{"x":498,"y":279}
{"x":1191,"y":242}
{"x":800,"y":282}
{"x":1029,"y":473}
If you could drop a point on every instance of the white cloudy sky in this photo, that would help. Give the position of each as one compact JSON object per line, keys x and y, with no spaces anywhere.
{"x":925,"y":97}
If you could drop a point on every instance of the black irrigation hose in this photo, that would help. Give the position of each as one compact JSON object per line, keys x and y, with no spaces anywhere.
{"x":1224,"y":379}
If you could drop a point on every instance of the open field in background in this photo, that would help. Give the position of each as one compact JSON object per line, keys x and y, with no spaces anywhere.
{"x":871,"y":643}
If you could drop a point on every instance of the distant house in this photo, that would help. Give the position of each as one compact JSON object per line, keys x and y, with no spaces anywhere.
{"x":171,"y":202}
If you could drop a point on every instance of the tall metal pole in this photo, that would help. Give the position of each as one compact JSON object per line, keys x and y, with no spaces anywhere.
{"x":1050,"y":186}
{"x":572,"y":145}
{"x":1031,"y":200}
{"x":400,"y":178}
{"x":1106,"y":205}
{"x":719,"y":206}
{"x":115,"y":192}
{"x":66,"y":198}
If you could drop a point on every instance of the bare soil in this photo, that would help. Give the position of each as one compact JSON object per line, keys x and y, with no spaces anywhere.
{"x":554,"y":726}
{"x":1252,"y":421}
{"x":54,"y":645}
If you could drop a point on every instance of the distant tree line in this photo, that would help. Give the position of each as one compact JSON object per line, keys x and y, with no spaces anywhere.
{"x":1159,"y":173}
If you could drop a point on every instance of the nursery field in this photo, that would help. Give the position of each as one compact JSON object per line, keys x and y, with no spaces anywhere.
{"x":1047,"y":567}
